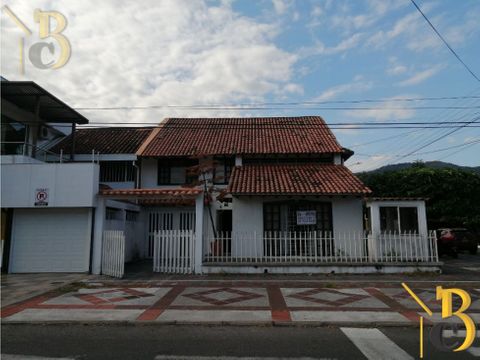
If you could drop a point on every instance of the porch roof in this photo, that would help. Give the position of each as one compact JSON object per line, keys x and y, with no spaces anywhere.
{"x":295,"y":179}
{"x":152,"y":194}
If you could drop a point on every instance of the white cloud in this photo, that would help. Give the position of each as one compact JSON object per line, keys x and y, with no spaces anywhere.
{"x":320,"y":49}
{"x":388,"y":110}
{"x":421,"y":76}
{"x":356,"y":85}
{"x":357,"y":164}
{"x":156,"y":52}
{"x":281,"y":6}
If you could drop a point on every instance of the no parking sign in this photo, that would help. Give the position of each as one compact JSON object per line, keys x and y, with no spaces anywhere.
{"x":41,"y":197}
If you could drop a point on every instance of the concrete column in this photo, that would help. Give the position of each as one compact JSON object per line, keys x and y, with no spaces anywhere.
{"x":98,"y":236}
{"x":375,"y":231}
{"x":238,"y":160}
{"x":198,"y":247}
{"x":337,"y":159}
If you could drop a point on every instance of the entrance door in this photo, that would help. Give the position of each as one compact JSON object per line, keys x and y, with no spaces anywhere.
{"x":224,"y":230}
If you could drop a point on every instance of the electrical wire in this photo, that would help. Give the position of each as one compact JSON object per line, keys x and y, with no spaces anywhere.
{"x":444,"y":41}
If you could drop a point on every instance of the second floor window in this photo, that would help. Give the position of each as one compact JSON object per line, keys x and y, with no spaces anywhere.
{"x":223,"y":170}
{"x":175,"y":172}
{"x":117,"y":171}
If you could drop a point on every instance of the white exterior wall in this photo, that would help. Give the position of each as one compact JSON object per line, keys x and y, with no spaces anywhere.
{"x":149,"y":174}
{"x":347,"y":217}
{"x":69,"y":185}
{"x":134,"y":230}
{"x":419,"y":204}
{"x":247,"y":217}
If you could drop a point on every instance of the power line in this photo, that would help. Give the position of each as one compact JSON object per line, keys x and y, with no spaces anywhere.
{"x":438,"y":138}
{"x":444,"y":41}
{"x":428,"y":152}
{"x":407,"y":99}
{"x":258,"y":108}
{"x":456,"y":152}
{"x":407,"y":143}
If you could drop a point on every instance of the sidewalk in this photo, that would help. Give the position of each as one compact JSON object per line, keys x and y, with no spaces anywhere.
{"x":238,"y":302}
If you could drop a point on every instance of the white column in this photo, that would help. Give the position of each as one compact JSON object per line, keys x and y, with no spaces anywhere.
{"x":98,"y":236}
{"x":375,"y":230}
{"x":422,"y":219}
{"x":238,"y":160}
{"x":198,"y":248}
{"x":337,"y":159}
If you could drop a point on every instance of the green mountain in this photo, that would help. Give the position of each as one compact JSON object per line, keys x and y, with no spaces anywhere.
{"x":430,"y":164}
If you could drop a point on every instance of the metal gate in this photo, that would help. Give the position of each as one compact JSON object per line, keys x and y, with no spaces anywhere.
{"x":113,"y":253}
{"x":173,"y":251}
{"x":170,"y":219}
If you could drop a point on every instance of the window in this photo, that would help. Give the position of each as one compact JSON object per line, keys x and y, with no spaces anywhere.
{"x":223,"y":170}
{"x":398,"y":219}
{"x":163,"y":174}
{"x":131,"y":216}
{"x":117,"y":171}
{"x":175,"y":172}
{"x":408,"y":219}
{"x":284,"y":216}
{"x":113,"y":214}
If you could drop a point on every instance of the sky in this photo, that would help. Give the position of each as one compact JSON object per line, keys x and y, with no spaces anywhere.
{"x":171,"y":53}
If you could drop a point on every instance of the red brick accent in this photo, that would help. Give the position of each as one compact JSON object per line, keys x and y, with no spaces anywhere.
{"x":278,"y":305}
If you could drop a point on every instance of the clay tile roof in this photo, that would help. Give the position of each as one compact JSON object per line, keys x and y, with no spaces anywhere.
{"x":114,"y":140}
{"x":152,"y":193}
{"x":295,"y":179}
{"x":228,"y":136}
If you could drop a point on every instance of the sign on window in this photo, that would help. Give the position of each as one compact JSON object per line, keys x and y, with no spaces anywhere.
{"x":307,"y":217}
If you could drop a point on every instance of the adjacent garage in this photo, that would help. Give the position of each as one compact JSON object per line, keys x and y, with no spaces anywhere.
{"x":51,"y":240}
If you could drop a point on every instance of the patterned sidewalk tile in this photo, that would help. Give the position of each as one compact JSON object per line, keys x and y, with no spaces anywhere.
{"x":223,"y":297}
{"x":344,"y":298}
{"x":210,"y":316}
{"x":110,"y":296}
{"x":74,"y":315}
{"x":428,"y":296}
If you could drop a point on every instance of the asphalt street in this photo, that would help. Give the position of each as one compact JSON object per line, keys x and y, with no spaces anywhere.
{"x":174,"y":342}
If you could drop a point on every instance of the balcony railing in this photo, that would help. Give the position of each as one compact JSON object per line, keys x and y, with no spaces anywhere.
{"x":26,"y":149}
{"x":304,"y":248}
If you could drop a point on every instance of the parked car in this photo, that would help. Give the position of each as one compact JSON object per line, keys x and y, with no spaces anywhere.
{"x":452,"y":240}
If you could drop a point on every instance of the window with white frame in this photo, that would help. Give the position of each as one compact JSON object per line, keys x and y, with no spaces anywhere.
{"x":398,"y":219}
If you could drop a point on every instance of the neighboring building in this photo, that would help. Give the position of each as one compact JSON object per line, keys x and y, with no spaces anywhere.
{"x":238,"y":195}
{"x":47,"y":207}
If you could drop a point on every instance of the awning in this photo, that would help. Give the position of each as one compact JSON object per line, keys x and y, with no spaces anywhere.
{"x":153,"y":196}
{"x":23,"y":94}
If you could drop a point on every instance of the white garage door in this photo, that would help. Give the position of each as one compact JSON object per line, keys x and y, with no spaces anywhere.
{"x":50,"y":240}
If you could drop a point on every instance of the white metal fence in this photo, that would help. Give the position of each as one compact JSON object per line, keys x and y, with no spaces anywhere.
{"x":113,"y":253}
{"x":173,"y":251}
{"x":160,"y":220}
{"x":319,"y":247}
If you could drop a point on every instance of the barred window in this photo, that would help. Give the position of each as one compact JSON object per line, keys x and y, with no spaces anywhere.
{"x":117,"y":171}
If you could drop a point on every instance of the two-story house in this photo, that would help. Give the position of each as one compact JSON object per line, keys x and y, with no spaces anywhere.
{"x":241,"y":195}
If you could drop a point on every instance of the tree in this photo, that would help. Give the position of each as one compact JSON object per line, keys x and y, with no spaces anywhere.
{"x":453,"y":196}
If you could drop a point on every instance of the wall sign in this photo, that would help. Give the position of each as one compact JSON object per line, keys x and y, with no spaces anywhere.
{"x":41,"y":197}
{"x":307,"y":217}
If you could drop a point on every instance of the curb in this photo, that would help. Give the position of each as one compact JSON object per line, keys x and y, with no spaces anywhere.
{"x":220,"y":323}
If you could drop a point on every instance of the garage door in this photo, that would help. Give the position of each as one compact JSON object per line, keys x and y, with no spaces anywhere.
{"x":50,"y":240}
